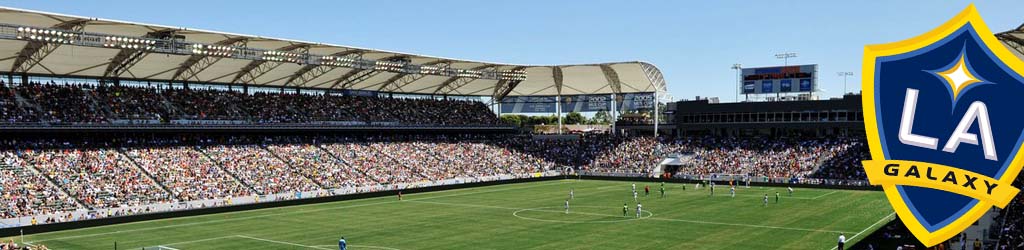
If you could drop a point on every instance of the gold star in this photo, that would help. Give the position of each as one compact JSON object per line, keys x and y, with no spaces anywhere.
{"x":959,"y":77}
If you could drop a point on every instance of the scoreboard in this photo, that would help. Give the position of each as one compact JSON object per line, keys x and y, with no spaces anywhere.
{"x":780,"y":79}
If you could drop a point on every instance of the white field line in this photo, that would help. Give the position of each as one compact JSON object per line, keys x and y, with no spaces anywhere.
{"x":298,"y":211}
{"x":281,"y":242}
{"x":866,"y":229}
{"x":197,"y":241}
{"x":819,"y":196}
{"x":656,"y":218}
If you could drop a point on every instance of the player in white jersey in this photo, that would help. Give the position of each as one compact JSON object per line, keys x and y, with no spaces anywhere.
{"x":634,"y":196}
{"x":766,"y":200}
{"x":639,"y":209}
{"x":634,"y":187}
{"x":790,"y":190}
{"x":572,"y":193}
{"x":566,"y":206}
{"x":732,"y":191}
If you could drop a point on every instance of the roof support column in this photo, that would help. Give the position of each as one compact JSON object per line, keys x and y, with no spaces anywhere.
{"x":558,"y":109}
{"x":556,"y":73}
{"x":656,"y":116}
{"x":611,"y":112}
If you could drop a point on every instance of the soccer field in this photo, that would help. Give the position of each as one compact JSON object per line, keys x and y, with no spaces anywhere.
{"x":518,"y":216}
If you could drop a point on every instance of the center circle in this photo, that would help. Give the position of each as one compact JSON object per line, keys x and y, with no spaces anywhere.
{"x":531,"y":214}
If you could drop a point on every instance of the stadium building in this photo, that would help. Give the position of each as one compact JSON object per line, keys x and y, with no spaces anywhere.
{"x":130,"y":135}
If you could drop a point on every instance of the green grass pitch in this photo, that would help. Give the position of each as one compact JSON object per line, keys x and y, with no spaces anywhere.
{"x":518,"y":216}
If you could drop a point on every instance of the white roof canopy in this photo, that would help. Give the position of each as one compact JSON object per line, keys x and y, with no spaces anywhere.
{"x":191,"y":55}
{"x":1014,"y":39}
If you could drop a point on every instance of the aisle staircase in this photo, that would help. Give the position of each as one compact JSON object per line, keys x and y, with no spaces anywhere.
{"x":145,"y":172}
{"x":222,"y":169}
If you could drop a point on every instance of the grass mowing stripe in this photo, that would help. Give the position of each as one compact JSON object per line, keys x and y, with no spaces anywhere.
{"x":281,"y":242}
{"x":479,"y":218}
{"x":652,"y":218}
{"x":293,"y":212}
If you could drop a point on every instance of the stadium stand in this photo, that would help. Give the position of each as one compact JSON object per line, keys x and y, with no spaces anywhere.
{"x":25,"y":192}
{"x":78,"y":103}
{"x":98,"y":178}
{"x":187,"y":173}
{"x":153,"y":170}
{"x":259,"y":169}
{"x":1010,"y":227}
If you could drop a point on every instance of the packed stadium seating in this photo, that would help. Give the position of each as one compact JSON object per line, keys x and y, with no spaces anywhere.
{"x":99,"y":178}
{"x":260,"y":169}
{"x":1011,"y":219}
{"x":775,"y":158}
{"x":37,"y":174}
{"x":54,"y":103}
{"x":26,"y":192}
{"x":187,"y":173}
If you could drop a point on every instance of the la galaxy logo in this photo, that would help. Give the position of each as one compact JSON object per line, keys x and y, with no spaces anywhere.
{"x":944,"y":119}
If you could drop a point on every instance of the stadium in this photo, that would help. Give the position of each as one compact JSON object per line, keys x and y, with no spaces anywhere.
{"x":125,"y":135}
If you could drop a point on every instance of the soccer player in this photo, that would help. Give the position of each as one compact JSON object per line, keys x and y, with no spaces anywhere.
{"x":639,"y":208}
{"x":625,"y":209}
{"x":766,"y":200}
{"x":732,"y":191}
{"x":634,"y":196}
{"x":647,"y":190}
{"x":790,"y":190}
{"x":842,"y":241}
{"x":634,"y":187}
{"x":712,"y":187}
{"x":572,"y":193}
{"x":776,"y":197}
{"x":342,"y":244}
{"x":399,"y":195}
{"x":663,"y":190}
{"x":566,"y":206}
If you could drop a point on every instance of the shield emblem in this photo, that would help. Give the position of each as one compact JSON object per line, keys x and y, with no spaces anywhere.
{"x":942,"y":116}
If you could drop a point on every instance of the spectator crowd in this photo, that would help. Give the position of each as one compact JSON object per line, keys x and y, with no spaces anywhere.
{"x":54,"y":103}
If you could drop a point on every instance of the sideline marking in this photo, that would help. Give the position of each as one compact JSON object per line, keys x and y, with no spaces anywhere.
{"x":866,"y":228}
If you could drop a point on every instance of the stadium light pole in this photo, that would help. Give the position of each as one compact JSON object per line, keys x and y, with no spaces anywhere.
{"x":844,"y":74}
{"x":737,"y":67}
{"x":785,"y":56}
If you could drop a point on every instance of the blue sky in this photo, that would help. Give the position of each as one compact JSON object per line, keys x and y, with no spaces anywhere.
{"x":694,"y":43}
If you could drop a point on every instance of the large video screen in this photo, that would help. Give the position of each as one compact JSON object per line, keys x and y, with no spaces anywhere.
{"x":780,"y":79}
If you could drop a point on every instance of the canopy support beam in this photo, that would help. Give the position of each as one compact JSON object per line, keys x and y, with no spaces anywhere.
{"x":35,"y":51}
{"x":195,"y":64}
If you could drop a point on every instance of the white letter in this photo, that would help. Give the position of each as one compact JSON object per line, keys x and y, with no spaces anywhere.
{"x":977,"y":111}
{"x":907,"y":124}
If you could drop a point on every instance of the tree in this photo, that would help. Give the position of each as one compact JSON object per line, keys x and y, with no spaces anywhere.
{"x":574,"y":118}
{"x":601,"y":118}
{"x":515,"y":120}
